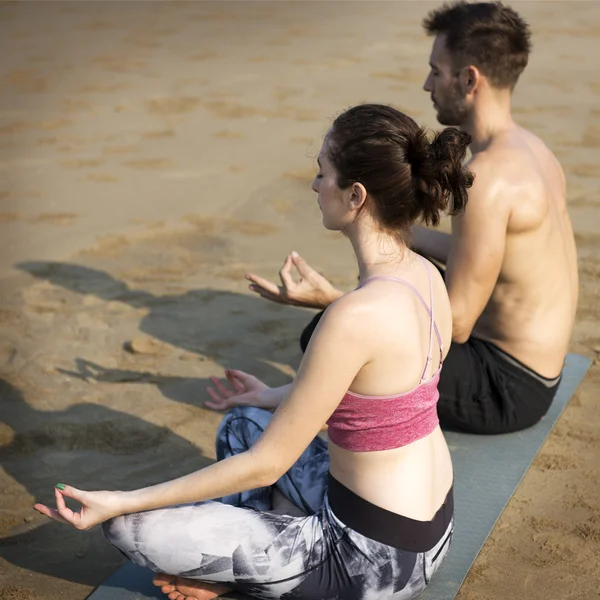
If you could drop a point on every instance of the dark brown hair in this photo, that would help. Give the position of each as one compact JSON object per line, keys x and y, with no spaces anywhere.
{"x":488,"y":35}
{"x":407,"y":177}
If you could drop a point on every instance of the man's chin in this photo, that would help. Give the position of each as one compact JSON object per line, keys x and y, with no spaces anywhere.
{"x":445,"y":120}
{"x":448,"y":120}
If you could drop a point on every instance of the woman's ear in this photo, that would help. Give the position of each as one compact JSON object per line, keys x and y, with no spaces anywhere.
{"x":357,"y":196}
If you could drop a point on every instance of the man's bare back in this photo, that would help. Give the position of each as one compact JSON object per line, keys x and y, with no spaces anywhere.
{"x":531,"y":311}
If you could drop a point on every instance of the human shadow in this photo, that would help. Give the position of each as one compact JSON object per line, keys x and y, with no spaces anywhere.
{"x":88,"y":446}
{"x":96,"y":447}
{"x":235,"y":330}
{"x":181,"y":389}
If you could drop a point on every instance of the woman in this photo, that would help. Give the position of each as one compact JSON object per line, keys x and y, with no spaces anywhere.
{"x":378,"y":498}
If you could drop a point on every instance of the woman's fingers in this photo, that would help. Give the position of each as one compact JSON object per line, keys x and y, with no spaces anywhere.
{"x":224,"y":391}
{"x":216,"y":401}
{"x":267,"y":295}
{"x":62,"y":513}
{"x":216,"y":405}
{"x":303,"y":267}
{"x":238,"y":379}
{"x":62,"y":509}
{"x":52,"y":513}
{"x":70,"y":492}
{"x":262,"y":284}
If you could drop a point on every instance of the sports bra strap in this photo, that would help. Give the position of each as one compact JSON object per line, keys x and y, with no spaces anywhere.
{"x":432,"y":324}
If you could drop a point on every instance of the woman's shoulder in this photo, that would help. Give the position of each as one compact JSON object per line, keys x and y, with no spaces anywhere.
{"x":371,"y":304}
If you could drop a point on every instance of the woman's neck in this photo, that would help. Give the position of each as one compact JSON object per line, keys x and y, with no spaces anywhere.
{"x":377,"y":252}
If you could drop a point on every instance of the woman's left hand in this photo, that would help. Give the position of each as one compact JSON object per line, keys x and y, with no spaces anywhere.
{"x":96,"y":507}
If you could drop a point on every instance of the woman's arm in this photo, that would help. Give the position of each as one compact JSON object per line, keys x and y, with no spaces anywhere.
{"x":336,"y":354}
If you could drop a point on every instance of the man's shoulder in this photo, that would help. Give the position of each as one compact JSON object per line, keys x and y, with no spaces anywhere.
{"x":514,"y":165}
{"x":491,"y":175}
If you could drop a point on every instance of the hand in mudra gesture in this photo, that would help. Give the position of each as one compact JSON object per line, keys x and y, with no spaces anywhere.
{"x":312,"y":290}
{"x":243,"y":390}
{"x":96,"y":507}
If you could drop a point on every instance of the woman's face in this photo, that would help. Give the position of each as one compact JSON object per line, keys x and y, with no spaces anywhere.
{"x":331,"y":198}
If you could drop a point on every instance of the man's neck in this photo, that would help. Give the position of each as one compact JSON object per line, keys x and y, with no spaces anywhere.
{"x":490,"y":118}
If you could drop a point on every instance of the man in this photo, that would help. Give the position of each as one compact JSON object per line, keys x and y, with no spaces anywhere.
{"x":511,"y":261}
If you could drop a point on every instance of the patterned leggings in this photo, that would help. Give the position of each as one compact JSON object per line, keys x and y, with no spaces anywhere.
{"x":269,"y":555}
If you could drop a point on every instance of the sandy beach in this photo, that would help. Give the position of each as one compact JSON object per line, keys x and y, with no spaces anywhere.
{"x":151,"y":153}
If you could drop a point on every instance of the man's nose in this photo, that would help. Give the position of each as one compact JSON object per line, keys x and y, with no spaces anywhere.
{"x":427,"y":84}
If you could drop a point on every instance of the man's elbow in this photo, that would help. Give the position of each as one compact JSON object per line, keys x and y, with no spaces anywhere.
{"x":461,"y":331}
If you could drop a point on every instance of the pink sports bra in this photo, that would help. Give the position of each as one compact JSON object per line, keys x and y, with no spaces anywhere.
{"x":369,"y":423}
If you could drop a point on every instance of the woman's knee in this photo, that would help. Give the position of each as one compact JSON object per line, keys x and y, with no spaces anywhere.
{"x":239,"y":430}
{"x":118,"y":534}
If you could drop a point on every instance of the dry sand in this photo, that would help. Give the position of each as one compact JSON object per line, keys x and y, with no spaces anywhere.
{"x":150,"y":154}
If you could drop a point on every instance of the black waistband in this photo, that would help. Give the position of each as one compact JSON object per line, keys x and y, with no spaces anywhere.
{"x":387,"y":527}
{"x":550,"y":383}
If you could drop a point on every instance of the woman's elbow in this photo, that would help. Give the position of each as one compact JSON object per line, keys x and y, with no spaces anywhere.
{"x":267,"y":471}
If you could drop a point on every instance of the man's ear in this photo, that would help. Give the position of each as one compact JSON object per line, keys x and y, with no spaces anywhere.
{"x":357,"y":195}
{"x":470,"y":79}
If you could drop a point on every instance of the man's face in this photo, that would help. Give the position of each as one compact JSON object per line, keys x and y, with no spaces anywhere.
{"x":444,"y":86}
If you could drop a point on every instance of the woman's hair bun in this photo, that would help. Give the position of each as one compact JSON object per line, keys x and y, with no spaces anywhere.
{"x":439,"y":178}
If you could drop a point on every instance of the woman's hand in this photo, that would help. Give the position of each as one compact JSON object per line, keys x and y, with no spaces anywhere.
{"x":245,"y":390}
{"x":96,"y":507}
{"x":311,"y":290}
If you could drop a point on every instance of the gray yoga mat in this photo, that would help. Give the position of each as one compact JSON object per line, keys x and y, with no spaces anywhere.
{"x":487,"y":470}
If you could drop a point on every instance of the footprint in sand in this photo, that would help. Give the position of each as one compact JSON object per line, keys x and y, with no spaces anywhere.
{"x":208,"y":55}
{"x":119,"y":149}
{"x":19,"y":126}
{"x":218,"y":225}
{"x":228,"y":135}
{"x":583,"y":170}
{"x":267,"y":327}
{"x":101,"y":178}
{"x":162,"y":133}
{"x":172,"y":106}
{"x":75,"y":105}
{"x":60,"y":219}
{"x":555,"y":462}
{"x":99,"y":88}
{"x":119,"y":64}
{"x":97,"y":26}
{"x":82,"y":163}
{"x":108,"y":436}
{"x":303,"y":176}
{"x":150,"y":163}
{"x":402,"y":75}
{"x":26,"y":81}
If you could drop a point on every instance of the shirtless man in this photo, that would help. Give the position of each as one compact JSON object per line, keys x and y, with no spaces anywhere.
{"x":511,"y":261}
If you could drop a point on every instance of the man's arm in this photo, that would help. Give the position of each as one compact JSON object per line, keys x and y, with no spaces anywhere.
{"x":476,"y":252}
{"x":431,"y":243}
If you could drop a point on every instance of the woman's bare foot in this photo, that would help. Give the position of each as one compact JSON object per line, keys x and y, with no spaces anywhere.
{"x":180,"y":588}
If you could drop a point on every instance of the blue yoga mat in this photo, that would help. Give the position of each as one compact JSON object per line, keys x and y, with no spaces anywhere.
{"x":487,"y":470}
